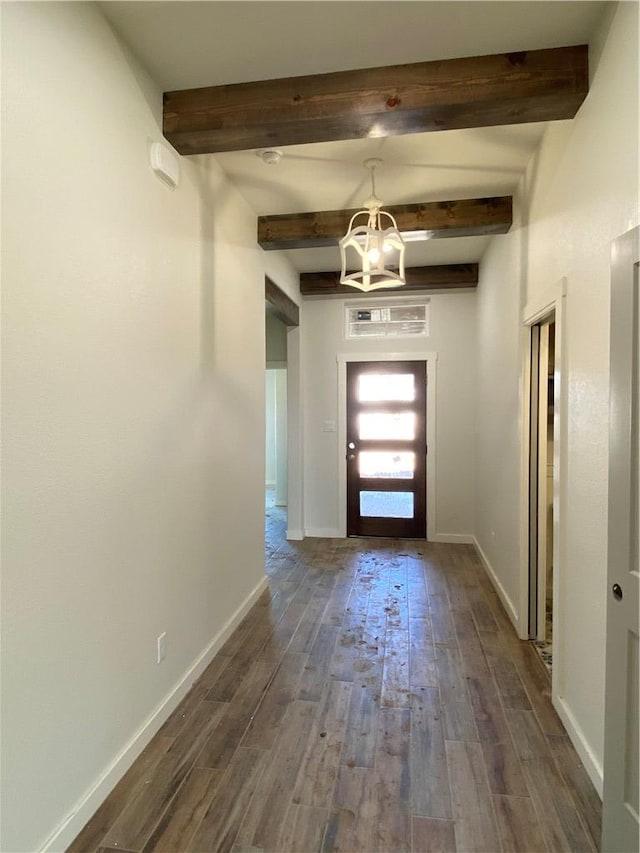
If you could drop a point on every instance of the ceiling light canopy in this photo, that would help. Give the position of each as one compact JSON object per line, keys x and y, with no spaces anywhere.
{"x":373,"y":252}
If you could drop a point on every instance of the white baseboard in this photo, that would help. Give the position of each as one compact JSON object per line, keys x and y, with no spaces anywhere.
{"x":65,"y":833}
{"x":294,"y":535}
{"x":452,"y":538}
{"x":576,"y":735}
{"x":512,"y":613}
{"x":323,"y":532}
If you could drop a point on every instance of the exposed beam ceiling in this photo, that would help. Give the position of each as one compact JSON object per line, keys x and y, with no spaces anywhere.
{"x":462,"y":218}
{"x":418,"y":279}
{"x":189,"y":45}
{"x":480,"y":91}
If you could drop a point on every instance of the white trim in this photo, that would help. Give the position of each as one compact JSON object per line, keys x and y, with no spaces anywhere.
{"x":294,"y":535}
{"x":576,"y":735}
{"x":431,"y":359}
{"x":65,"y":833}
{"x":525,"y":406}
{"x":552,"y":301}
{"x":344,"y":357}
{"x":453,"y":538}
{"x":512,"y":612}
{"x":323,"y":532}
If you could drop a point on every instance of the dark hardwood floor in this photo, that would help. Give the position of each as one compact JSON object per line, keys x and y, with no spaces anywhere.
{"x":375,"y":699}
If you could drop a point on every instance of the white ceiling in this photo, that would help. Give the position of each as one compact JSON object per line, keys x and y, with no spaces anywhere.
{"x":189,"y":44}
{"x":417,"y":167}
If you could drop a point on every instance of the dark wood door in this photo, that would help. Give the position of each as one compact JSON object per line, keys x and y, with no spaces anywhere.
{"x":386,"y":449}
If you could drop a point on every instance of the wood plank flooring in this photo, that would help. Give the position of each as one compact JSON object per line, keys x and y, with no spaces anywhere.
{"x":376,"y":698}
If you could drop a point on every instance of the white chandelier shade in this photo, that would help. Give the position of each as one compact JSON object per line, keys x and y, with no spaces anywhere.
{"x":374,"y":254}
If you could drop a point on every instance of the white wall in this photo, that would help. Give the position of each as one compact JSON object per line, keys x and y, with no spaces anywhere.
{"x":133,"y":387}
{"x":580,"y":192}
{"x":279,"y":269}
{"x":276,"y":432}
{"x":498,"y":439}
{"x":276,"y":341}
{"x":270,"y":430}
{"x":281,"y":436}
{"x":453,"y":337}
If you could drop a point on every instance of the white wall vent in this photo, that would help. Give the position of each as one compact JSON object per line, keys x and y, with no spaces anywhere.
{"x":388,"y":321}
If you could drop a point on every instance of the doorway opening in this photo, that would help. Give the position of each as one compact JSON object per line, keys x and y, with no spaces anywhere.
{"x":542,"y":441}
{"x":275,"y":429}
{"x":386,"y":449}
{"x":282,"y":417}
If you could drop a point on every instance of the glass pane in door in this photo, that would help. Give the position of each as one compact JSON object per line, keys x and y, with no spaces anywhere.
{"x":394,"y":465}
{"x":383,"y":426}
{"x":381,"y":387}
{"x":386,"y":504}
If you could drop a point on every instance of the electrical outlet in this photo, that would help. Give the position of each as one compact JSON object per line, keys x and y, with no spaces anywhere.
{"x":162,"y":647}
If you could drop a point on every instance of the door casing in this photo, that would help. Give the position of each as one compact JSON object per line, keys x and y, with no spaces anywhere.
{"x":431,"y":359}
{"x":537,"y":476}
{"x":550,"y":302}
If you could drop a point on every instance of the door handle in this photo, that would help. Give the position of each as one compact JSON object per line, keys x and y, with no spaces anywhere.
{"x":616,"y":589}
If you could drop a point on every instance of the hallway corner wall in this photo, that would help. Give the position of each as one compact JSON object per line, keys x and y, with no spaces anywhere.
{"x":133,"y":416}
{"x":580,"y":193}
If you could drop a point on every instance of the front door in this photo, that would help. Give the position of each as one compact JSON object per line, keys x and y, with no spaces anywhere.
{"x":386,"y":449}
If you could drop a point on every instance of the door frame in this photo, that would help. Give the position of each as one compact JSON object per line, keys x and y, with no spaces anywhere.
{"x":538,"y":475}
{"x":363,"y":524}
{"x":549,"y":303}
{"x":431,"y":359}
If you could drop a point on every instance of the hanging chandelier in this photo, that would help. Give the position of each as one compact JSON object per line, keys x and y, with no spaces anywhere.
{"x":374,"y":253}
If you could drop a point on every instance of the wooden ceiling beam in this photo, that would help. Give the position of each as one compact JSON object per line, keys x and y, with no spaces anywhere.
{"x":470,"y":217}
{"x":418,"y":279}
{"x":476,"y":91}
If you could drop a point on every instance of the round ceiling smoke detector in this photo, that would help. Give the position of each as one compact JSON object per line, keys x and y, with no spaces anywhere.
{"x":270,"y":156}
